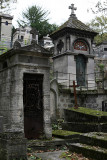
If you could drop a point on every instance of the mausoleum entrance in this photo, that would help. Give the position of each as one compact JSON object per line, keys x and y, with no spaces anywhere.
{"x":80,"y":70}
{"x":33,"y":105}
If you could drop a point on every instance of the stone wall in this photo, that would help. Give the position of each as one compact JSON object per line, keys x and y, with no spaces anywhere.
{"x":13,"y":65}
{"x":92,"y":100}
{"x":13,"y":146}
{"x":65,"y":99}
{"x":11,"y":91}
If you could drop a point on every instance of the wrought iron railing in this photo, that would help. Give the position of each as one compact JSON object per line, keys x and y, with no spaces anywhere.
{"x":93,"y":81}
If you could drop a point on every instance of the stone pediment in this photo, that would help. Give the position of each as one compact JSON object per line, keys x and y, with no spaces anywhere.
{"x":33,"y":47}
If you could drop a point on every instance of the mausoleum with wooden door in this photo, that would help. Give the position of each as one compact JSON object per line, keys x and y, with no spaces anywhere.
{"x":24,"y":98}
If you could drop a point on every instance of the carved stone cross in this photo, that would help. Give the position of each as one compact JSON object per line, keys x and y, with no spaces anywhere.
{"x":72,"y":9}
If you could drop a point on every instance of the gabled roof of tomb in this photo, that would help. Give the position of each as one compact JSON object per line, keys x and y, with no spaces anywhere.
{"x":73,"y":25}
{"x":76,"y":24}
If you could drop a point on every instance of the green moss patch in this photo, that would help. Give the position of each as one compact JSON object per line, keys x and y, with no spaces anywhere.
{"x":89,"y":111}
{"x":64,"y":133}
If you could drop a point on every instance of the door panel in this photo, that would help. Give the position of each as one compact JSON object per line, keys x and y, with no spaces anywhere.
{"x":80,"y":70}
{"x":33,"y":105}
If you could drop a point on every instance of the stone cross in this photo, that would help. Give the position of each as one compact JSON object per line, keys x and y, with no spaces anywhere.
{"x":34,"y":33}
{"x":72,"y":9}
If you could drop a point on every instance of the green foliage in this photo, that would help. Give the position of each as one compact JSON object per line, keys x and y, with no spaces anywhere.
{"x":100,"y":38}
{"x":13,"y":31}
{"x":100,"y":7}
{"x":101,"y":66}
{"x":99,"y":24}
{"x":3,"y":47}
{"x":54,"y":126}
{"x":36,"y":17}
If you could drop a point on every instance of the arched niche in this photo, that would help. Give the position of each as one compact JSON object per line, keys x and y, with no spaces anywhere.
{"x":81,"y":46}
{"x":68,"y":42}
{"x":60,"y":46}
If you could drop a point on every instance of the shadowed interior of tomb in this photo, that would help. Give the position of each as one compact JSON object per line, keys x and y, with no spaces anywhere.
{"x":33,"y":105}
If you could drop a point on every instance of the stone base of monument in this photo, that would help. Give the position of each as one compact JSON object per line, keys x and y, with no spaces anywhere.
{"x":12,"y":146}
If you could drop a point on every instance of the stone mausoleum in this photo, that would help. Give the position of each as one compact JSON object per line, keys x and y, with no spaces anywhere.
{"x":73,"y":60}
{"x":24,"y":99}
{"x":73,"y":51}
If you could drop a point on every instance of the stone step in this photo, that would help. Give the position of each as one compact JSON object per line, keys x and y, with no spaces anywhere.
{"x":94,"y":139}
{"x":84,"y":127}
{"x":44,"y":145}
{"x":84,"y":115}
{"x":93,"y":152}
{"x":66,"y":135}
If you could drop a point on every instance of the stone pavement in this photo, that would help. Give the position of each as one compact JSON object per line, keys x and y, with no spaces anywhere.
{"x":51,"y":155}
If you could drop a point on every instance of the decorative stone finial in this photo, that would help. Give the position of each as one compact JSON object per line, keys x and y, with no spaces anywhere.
{"x":72,"y":9}
{"x":17,"y":45}
{"x":34,"y":33}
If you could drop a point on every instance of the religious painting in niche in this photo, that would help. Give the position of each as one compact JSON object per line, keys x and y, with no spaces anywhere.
{"x":80,"y":45}
{"x":60,"y":46}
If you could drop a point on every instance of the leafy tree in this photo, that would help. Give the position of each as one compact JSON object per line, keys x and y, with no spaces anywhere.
{"x":100,"y":7}
{"x":5,"y":5}
{"x":99,"y":24}
{"x":36,"y":17}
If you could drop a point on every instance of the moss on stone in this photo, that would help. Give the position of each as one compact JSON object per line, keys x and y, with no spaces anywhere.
{"x":89,"y":111}
{"x":64,"y":132}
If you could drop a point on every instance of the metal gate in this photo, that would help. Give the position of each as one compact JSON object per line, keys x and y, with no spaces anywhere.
{"x":33,"y":105}
{"x":80,"y":70}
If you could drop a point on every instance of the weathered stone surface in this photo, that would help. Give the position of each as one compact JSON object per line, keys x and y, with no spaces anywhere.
{"x":1,"y":124}
{"x":13,"y":66}
{"x":13,"y":146}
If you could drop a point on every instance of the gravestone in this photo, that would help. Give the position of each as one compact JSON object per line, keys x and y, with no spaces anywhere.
{"x":24,"y":99}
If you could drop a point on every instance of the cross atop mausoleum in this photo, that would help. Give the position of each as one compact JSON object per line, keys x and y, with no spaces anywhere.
{"x":72,"y":9}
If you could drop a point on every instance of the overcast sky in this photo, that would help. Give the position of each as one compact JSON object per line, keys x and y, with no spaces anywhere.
{"x":58,"y":9}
